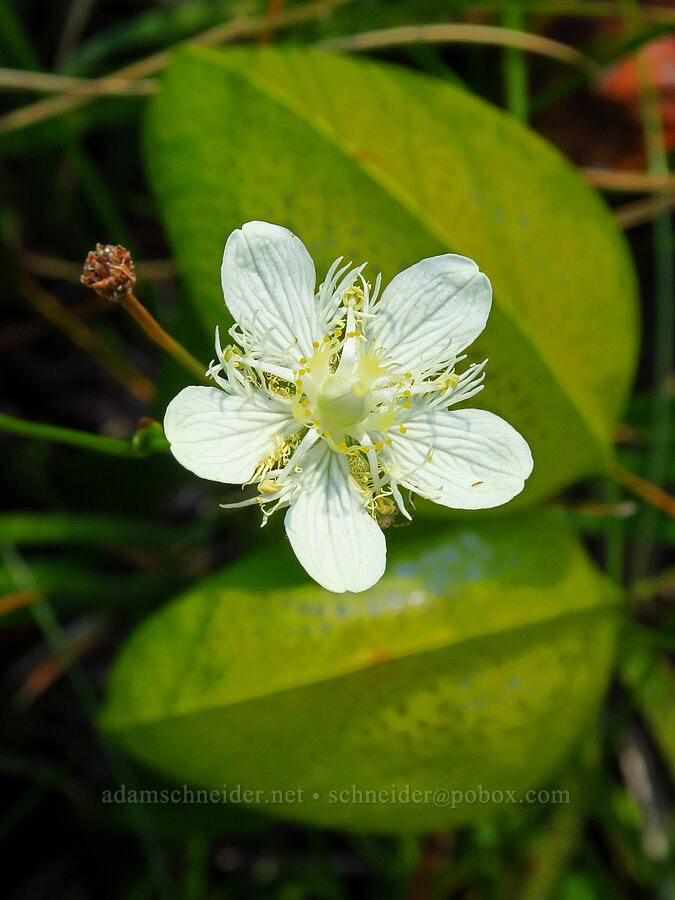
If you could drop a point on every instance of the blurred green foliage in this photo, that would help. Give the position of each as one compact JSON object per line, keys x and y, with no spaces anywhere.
{"x":484,"y":655}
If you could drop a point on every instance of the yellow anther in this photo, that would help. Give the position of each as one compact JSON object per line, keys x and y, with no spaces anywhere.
{"x":388,"y":441}
{"x":301,"y":372}
{"x":303,"y":403}
{"x":308,"y":412}
{"x":406,"y":405}
{"x":231,"y":353}
{"x":325,"y":338}
{"x":326,"y":434}
{"x":315,"y":344}
{"x":379,"y":445}
{"x":343,"y":445}
{"x":303,"y":360}
{"x":406,"y":393}
{"x":269,"y":486}
{"x":385,"y":506}
{"x":430,"y":456}
{"x":353,"y":297}
{"x":318,"y":422}
{"x":408,"y":374}
{"x":402,"y":429}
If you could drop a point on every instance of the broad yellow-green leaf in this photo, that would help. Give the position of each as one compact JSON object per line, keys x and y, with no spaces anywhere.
{"x":374,"y":162}
{"x":479,"y":659}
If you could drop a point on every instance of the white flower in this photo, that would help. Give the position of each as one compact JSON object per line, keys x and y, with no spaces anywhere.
{"x":331,"y":402}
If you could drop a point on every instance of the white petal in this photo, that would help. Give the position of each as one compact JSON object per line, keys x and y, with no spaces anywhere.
{"x":268,"y":282}
{"x":223,"y":437}
{"x":432,"y":311}
{"x":339,"y":544}
{"x":477,"y":459}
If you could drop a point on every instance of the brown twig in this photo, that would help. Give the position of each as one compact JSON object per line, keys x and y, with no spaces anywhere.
{"x":80,"y":642}
{"x":625,"y":180}
{"x":644,"y":489}
{"x":239,"y":27}
{"x":640,"y":211}
{"x":21,"y":80}
{"x":17,"y":600}
{"x":274,"y":8}
{"x":68,"y":270}
{"x":23,"y":332}
{"x":451,"y":33}
{"x":83,"y":337}
{"x":622,"y":510}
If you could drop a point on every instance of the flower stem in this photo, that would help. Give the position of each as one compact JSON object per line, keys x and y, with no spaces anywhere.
{"x":155,"y":332}
{"x":43,"y":432}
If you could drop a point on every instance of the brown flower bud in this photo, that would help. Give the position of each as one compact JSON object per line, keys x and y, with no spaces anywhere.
{"x":109,"y":270}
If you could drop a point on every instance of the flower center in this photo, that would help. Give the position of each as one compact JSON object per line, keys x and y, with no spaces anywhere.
{"x":343,"y":402}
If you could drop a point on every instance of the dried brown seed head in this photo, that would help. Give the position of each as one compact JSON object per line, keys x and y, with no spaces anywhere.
{"x":109,"y":270}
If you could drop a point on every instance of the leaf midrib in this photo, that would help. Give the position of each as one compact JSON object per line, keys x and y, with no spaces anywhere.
{"x":320,"y":678}
{"x":391,"y":188}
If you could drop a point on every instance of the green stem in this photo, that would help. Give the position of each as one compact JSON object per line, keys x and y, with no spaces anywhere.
{"x":51,"y":629}
{"x":515,"y":65}
{"x":196,"y":868}
{"x":77,"y":528}
{"x":41,"y":432}
{"x":614,"y":536}
{"x":15,"y":39}
{"x":14,"y":814}
{"x":95,"y":190}
{"x":664,"y":321}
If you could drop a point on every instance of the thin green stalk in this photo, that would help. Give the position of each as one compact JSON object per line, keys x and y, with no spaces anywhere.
{"x":664,"y":321}
{"x":515,"y":65}
{"x":14,"y":37}
{"x":195,"y":878}
{"x":89,"y":528}
{"x":50,"y":627}
{"x":614,"y":535}
{"x":96,"y":191}
{"x":57,"y":434}
{"x":14,"y":814}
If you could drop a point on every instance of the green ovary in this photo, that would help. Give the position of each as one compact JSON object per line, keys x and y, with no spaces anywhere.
{"x":342,"y":403}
